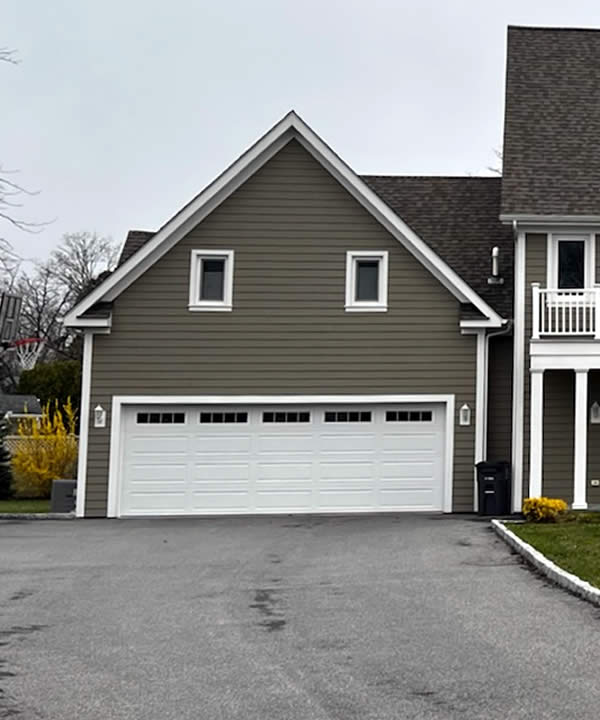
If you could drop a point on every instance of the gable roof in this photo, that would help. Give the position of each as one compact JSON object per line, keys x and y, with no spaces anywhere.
{"x":290,"y":127}
{"x":456,"y":216}
{"x":551,"y":154}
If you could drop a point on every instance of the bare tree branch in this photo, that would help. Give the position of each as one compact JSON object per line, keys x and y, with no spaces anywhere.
{"x":9,"y":56}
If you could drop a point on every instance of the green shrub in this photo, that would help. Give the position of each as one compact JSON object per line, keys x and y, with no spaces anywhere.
{"x":544,"y":509}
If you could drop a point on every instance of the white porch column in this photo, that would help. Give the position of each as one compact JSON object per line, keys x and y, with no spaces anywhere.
{"x":536,"y":437}
{"x":581,"y":424}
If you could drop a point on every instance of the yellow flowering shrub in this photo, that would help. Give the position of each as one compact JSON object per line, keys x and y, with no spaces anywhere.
{"x":46,"y":451}
{"x":544,"y":509}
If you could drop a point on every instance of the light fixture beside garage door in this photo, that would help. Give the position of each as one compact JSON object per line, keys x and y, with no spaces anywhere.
{"x":464,"y":415}
{"x":99,"y":416}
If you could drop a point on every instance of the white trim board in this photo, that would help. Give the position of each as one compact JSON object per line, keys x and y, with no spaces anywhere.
{"x":119,"y":401}
{"x":84,"y":421}
{"x":518,"y":410}
{"x":289,"y":127}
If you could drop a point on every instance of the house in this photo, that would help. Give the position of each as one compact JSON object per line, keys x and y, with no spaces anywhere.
{"x":19,"y":406}
{"x":300,"y":338}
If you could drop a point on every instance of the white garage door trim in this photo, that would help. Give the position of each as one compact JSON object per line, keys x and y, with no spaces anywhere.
{"x":115,"y":471}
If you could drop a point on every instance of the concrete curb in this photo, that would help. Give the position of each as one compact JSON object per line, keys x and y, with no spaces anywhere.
{"x":566,"y":580}
{"x":37,"y":516}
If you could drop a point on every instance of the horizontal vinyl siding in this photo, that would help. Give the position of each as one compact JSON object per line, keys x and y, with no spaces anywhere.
{"x":559,"y":412}
{"x":535,"y":271}
{"x":593,"y":493}
{"x":500,"y":398}
{"x":290,"y":226}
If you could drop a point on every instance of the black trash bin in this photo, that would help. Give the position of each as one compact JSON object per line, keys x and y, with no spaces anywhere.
{"x":493,"y":484}
{"x":62,"y":498}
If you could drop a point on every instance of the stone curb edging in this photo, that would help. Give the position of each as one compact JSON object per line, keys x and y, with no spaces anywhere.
{"x":566,"y":580}
{"x":37,"y":516}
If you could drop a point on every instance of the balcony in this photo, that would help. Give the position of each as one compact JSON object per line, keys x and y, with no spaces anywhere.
{"x":569,"y":314}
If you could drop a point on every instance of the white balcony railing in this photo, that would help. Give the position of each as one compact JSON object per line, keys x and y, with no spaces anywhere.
{"x":566,"y":313}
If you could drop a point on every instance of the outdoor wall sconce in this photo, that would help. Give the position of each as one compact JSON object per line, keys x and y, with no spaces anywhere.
{"x":595,"y":414}
{"x":99,"y":416}
{"x":464,"y":415}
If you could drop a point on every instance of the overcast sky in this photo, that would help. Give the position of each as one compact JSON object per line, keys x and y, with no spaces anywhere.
{"x":121,"y":110}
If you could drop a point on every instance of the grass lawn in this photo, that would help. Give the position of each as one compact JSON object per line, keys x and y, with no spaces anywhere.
{"x":24,"y":506}
{"x":573,"y":544}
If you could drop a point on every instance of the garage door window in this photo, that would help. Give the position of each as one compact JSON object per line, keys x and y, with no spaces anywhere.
{"x":344,"y":416}
{"x":286,"y":417}
{"x":409,"y":416}
{"x":223,"y":417}
{"x":162,"y":418}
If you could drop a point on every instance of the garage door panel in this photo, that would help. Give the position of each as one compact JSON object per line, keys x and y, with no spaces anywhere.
{"x":217,"y":444}
{"x":280,"y":499}
{"x":221,"y":472}
{"x":392,"y":470}
{"x":169,"y":444}
{"x":345,"y":442}
{"x":214,"y":467}
{"x":346,"y":470}
{"x":285,"y":444}
{"x":413,"y":443}
{"x":157,"y":502}
{"x":284,"y":471}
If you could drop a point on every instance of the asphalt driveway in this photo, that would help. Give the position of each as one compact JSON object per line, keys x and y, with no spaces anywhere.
{"x":350,"y":618}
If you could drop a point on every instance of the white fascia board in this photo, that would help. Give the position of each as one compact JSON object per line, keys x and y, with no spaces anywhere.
{"x":88,"y":322}
{"x":528,"y":219}
{"x":480,"y":324}
{"x":289,"y":127}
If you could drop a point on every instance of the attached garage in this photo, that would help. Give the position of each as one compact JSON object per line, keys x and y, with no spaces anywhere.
{"x":287,"y":455}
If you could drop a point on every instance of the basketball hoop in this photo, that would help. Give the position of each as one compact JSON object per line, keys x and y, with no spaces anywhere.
{"x":27,"y":351}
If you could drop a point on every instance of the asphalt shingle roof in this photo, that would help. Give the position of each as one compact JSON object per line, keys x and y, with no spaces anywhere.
{"x":19,"y":405}
{"x":458,"y":218}
{"x":551,"y":154}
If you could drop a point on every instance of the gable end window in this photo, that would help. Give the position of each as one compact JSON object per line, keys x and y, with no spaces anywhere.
{"x":211,"y":280}
{"x":366,"y":281}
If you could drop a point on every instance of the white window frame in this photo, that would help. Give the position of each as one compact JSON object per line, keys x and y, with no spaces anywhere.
{"x":352,"y":259}
{"x":195,"y":303}
{"x":589,"y":240}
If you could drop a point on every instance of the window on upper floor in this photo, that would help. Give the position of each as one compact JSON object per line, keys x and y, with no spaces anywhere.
{"x":211,"y":280}
{"x":367,"y":281}
{"x":571,"y":261}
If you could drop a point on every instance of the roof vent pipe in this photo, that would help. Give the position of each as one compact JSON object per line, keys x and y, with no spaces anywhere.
{"x":495,"y":278}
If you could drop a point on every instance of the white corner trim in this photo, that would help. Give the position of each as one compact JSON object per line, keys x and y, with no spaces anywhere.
{"x":195,"y":303}
{"x":119,"y":401}
{"x":518,"y":372}
{"x":84,"y":421}
{"x":352,"y":259}
{"x":93,"y":322}
{"x":289,"y":127}
{"x":564,"y":579}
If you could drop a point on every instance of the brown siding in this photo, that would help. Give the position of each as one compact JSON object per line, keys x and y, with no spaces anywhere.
{"x":535,"y":271}
{"x":559,"y":413}
{"x":593,"y":493}
{"x":500,"y":399}
{"x":290,"y":226}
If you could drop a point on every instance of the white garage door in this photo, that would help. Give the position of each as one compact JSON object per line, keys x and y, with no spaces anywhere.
{"x":186,"y":460}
